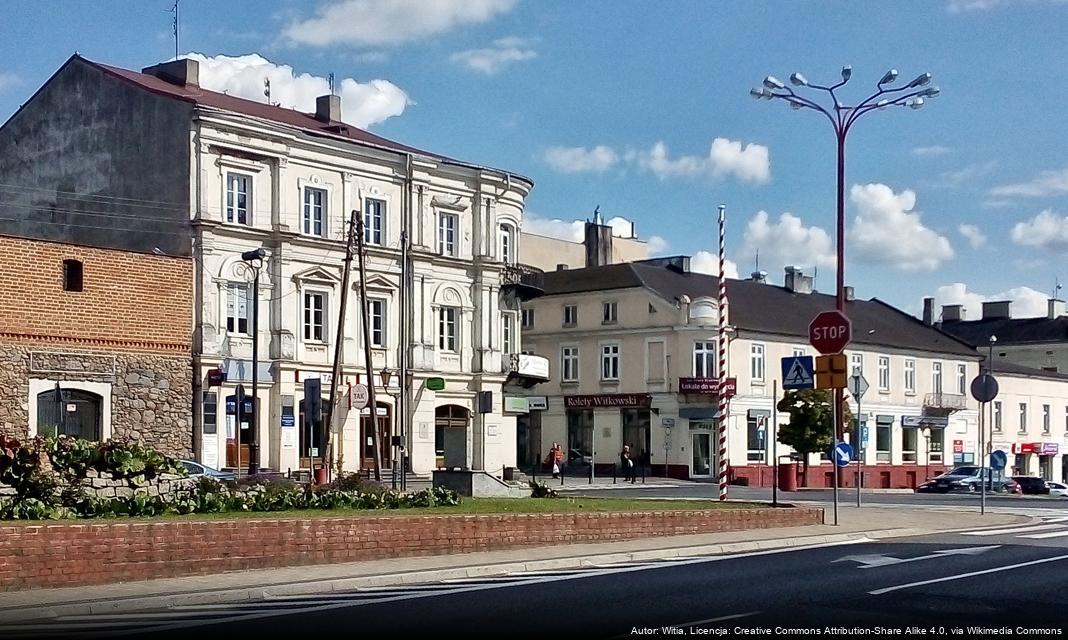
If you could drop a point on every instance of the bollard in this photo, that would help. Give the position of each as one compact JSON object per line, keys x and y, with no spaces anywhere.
{"x":643,"y":473}
{"x":534,"y":469}
{"x":591,"y":472}
{"x":614,"y":472}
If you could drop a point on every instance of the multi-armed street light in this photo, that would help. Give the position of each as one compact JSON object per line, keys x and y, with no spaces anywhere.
{"x":842,"y":117}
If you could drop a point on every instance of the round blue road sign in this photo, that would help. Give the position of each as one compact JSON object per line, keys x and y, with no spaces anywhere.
{"x":843,"y":454}
{"x":998,"y":459}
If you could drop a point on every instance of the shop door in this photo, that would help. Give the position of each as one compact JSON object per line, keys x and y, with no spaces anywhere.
{"x":1045,"y":467}
{"x":385,"y":431}
{"x":701,"y":455}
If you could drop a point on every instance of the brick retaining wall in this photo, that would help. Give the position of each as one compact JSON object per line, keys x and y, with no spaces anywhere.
{"x":36,"y":556}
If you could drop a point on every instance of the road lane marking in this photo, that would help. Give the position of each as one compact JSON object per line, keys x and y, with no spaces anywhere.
{"x":879,"y":592}
{"x":1051,"y":534}
{"x":465,"y":589}
{"x":733,"y":616}
{"x":870,"y":560}
{"x":998,"y":532}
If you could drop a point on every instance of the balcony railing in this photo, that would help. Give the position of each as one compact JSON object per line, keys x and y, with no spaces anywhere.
{"x":945,"y":401}
{"x":527,"y":282}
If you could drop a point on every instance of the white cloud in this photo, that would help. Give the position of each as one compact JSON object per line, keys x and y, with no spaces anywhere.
{"x":787,"y":242}
{"x":580,"y":159}
{"x":960,"y":6}
{"x":886,"y":230}
{"x":996,"y":204}
{"x":933,"y":150}
{"x":657,"y":245}
{"x":748,"y":163}
{"x":8,"y":80}
{"x":707,"y":262}
{"x":1047,"y":230}
{"x":381,"y":23}
{"x":575,"y":230}
{"x":974,"y":235}
{"x":1048,"y":183}
{"x":490,"y":60}
{"x":1026,"y":302}
{"x":965,"y":175}
{"x":362,"y":103}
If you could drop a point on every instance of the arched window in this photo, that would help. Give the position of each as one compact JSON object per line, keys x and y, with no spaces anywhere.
{"x":507,"y":243}
{"x":71,"y":412}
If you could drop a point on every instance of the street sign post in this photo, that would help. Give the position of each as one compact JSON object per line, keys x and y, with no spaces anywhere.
{"x":858,"y":385}
{"x":984,"y":389}
{"x":830,"y":332}
{"x":360,"y":396}
{"x":798,"y":372}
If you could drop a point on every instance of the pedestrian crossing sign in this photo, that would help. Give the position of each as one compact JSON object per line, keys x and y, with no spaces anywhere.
{"x":798,"y":372}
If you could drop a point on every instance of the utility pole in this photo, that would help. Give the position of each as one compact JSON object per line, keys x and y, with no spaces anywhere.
{"x":402,"y":400}
{"x":372,"y":407}
{"x":335,"y":379}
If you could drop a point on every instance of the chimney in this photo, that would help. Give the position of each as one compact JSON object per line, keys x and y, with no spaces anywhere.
{"x":952,"y":312}
{"x":928,"y":311}
{"x":999,"y":309}
{"x":797,"y":282}
{"x":180,"y":72}
{"x":1056,"y":308}
{"x":561,"y":266}
{"x":849,"y":294}
{"x":759,"y":276}
{"x":328,"y":108}
{"x":598,"y":244}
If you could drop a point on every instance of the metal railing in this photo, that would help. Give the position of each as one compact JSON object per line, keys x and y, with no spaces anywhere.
{"x":952,"y":401}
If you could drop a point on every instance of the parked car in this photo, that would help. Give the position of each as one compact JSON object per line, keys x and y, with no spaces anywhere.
{"x":968,"y":479}
{"x":195,"y":470}
{"x":578,"y":456}
{"x":1057,"y":489}
{"x":1031,"y":485}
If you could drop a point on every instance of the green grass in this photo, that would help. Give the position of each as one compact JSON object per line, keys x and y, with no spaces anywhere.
{"x":469,"y":506}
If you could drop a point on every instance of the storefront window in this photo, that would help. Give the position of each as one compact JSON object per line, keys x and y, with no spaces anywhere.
{"x":756,"y":426}
{"x":636,"y":432}
{"x":579,"y":435}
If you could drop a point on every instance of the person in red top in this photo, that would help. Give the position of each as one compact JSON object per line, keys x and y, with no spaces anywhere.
{"x":556,"y":459}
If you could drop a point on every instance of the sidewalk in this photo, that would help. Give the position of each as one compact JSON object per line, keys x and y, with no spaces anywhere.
{"x":855,"y":524}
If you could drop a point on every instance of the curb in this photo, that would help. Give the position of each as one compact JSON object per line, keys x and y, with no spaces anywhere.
{"x":311,"y":587}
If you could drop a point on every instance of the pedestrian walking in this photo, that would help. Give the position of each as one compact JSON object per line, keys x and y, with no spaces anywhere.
{"x":627,"y":463}
{"x":555,"y":459}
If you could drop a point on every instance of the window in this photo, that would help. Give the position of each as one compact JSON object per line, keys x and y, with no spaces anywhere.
{"x":936,"y":377}
{"x":507,"y":333}
{"x":1023,"y":417}
{"x":528,"y":318}
{"x":72,"y":275}
{"x":884,"y":426}
{"x":610,"y":362}
{"x":856,"y":362}
{"x":799,"y":351}
{"x":376,"y":312}
{"x":756,"y":427}
{"x":704,"y":359}
{"x":908,"y":444}
{"x":507,"y":244}
{"x":997,"y":415}
{"x":935,"y":444}
{"x":448,"y":226}
{"x":314,"y":316}
{"x":756,"y":362}
{"x":211,"y":412}
{"x":962,"y":373}
{"x":374,"y":221}
{"x":569,"y":364}
{"x":910,"y":376}
{"x":884,"y":373}
{"x":315,"y":212}
{"x":237,"y":311}
{"x":238,"y":198}
{"x":609,"y":315}
{"x":447,"y":328}
{"x":1046,"y":418}
{"x":570,"y":315}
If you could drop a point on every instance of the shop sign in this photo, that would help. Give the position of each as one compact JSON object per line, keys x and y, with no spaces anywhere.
{"x":605,"y":400}
{"x":537,"y":403}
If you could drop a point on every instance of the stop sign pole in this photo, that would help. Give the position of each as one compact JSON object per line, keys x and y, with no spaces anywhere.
{"x":830,"y":332}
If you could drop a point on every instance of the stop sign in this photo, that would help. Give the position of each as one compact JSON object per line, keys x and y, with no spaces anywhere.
{"x":830,"y":332}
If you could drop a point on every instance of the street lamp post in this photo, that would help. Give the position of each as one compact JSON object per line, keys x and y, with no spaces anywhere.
{"x":842,"y":117}
{"x":386,"y":375}
{"x":254,"y":259}
{"x":927,"y":460}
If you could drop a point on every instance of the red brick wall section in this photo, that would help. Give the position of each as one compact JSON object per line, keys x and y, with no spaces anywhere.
{"x":876,"y":476}
{"x":143,"y":300}
{"x":61,"y":555}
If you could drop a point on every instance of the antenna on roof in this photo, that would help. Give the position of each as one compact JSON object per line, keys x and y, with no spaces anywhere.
{"x":757,"y":266}
{"x":331,"y":81}
{"x":267,"y":89}
{"x":1056,"y":287}
{"x":597,"y":214}
{"x":174,"y":26}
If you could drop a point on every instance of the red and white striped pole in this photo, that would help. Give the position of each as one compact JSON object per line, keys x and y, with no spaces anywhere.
{"x":723,"y":402}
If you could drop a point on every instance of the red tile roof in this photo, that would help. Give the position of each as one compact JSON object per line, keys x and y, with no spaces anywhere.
{"x":304,"y":121}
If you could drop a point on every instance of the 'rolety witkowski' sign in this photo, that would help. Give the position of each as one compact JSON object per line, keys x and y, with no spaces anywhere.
{"x":619,"y":400}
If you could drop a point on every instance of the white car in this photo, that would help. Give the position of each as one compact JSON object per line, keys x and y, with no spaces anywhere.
{"x":1057,"y":489}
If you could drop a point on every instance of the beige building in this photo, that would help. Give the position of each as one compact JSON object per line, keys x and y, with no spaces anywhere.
{"x":633,"y":352}
{"x":598,"y":247}
{"x":1029,"y":421}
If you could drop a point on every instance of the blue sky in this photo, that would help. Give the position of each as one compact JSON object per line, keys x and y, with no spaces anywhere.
{"x":642,"y":109}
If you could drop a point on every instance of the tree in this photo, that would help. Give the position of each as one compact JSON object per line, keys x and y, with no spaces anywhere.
{"x":809,"y":430}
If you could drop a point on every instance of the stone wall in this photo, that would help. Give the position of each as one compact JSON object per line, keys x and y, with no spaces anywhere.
{"x":151,"y":394}
{"x":104,"y":485}
{"x":63,"y":555}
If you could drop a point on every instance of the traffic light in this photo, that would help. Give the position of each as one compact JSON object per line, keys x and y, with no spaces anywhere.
{"x":831,"y":371}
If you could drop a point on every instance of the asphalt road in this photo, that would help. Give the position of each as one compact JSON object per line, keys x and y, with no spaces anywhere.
{"x":1012,"y":576}
{"x":845,"y":496}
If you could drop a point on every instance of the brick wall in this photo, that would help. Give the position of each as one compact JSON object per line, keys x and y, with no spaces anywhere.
{"x":876,"y":476}
{"x":77,"y":554}
{"x":133,"y":300}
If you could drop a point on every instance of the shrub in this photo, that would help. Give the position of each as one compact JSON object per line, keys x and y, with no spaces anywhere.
{"x":541,"y":490}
